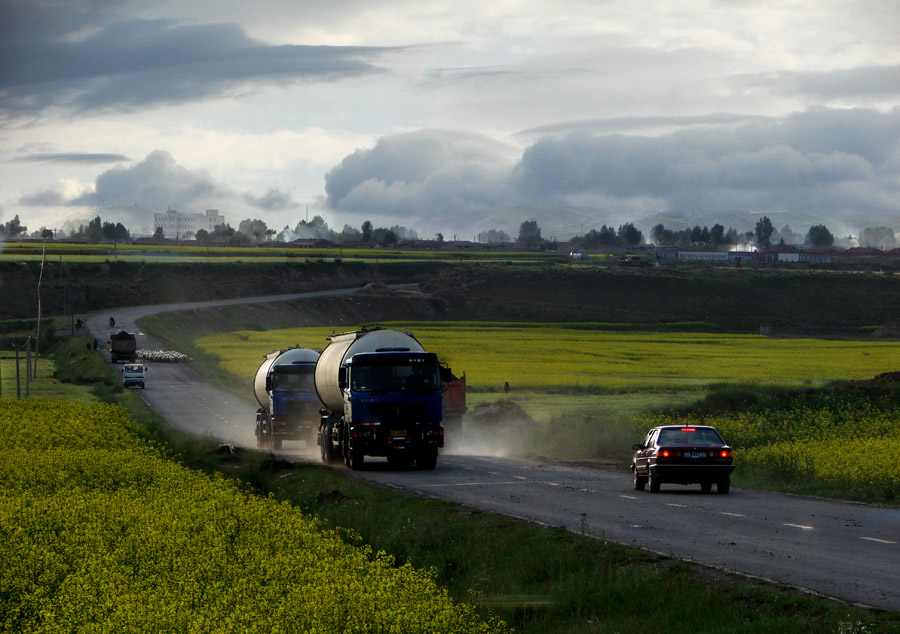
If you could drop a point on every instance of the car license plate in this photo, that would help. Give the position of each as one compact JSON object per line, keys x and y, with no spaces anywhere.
{"x":398,"y":433}
{"x":695,"y":454}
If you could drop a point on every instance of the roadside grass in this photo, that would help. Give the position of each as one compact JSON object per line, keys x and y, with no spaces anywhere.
{"x":538,"y":579}
{"x":46,"y":385}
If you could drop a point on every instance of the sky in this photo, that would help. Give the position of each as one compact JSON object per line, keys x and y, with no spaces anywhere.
{"x":453,"y":117}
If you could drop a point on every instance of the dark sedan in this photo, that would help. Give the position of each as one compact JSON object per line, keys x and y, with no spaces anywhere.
{"x":682,"y":455}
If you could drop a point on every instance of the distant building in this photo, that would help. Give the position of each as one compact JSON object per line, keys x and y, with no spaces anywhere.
{"x":176,"y":224}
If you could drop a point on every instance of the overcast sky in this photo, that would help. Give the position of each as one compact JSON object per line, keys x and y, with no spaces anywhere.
{"x":453,"y":117}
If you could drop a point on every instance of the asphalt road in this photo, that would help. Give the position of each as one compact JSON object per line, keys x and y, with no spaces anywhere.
{"x":838,"y":549}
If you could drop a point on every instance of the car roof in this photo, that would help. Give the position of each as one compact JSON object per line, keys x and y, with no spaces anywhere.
{"x":683,"y":426}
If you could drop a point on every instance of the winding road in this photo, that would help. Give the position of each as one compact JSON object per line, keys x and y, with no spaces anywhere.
{"x":839,"y":549}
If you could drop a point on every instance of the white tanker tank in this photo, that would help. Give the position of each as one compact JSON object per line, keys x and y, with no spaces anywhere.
{"x":382,"y":396}
{"x":284,"y":387}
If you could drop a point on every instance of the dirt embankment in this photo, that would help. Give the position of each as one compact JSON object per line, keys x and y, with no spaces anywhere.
{"x":783,"y":301}
{"x":794,"y":301}
{"x":113,"y":284}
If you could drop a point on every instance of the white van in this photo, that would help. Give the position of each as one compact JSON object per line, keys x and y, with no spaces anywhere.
{"x":133,"y":375}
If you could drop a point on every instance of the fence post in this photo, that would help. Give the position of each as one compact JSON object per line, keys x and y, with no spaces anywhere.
{"x":18,"y":380}
{"x":28,"y":367}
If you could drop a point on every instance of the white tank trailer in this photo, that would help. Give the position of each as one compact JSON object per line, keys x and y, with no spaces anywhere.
{"x":284,"y":387}
{"x":381,"y":393}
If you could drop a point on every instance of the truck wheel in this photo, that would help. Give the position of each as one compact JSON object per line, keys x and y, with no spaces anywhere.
{"x":345,"y":444}
{"x":426,"y":460}
{"x":654,"y":483}
{"x":327,"y":447}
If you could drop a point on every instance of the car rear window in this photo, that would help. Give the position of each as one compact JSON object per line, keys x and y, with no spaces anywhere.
{"x":689,"y":436}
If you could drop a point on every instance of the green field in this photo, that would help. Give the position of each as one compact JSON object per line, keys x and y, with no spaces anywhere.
{"x":595,"y":357}
{"x":92,"y":253}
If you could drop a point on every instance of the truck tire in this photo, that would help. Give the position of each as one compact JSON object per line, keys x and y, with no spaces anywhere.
{"x":328,"y":453}
{"x":426,"y":460}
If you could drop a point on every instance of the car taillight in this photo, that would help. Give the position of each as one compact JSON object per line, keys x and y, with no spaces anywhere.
{"x":725,"y":453}
{"x":664,"y":453}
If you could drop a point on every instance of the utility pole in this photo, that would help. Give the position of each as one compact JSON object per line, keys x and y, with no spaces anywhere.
{"x":37,"y":342}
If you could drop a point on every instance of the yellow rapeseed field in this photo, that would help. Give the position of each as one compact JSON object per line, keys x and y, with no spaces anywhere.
{"x":99,"y":532}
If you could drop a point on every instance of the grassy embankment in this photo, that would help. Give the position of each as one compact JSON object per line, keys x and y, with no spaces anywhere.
{"x":540,"y":580}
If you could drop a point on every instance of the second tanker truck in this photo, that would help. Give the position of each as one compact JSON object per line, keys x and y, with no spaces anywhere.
{"x":381,"y":393}
{"x":288,"y":405}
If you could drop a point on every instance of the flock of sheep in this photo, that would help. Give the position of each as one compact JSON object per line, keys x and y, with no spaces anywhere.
{"x":164,"y":356}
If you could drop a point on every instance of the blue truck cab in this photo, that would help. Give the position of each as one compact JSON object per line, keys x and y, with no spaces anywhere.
{"x":382,"y":396}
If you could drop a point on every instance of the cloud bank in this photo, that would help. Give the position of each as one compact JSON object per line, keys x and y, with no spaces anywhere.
{"x":132,"y":194}
{"x":840,"y":166}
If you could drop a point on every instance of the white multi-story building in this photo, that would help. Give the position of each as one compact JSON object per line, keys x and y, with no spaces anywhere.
{"x":177,"y":225}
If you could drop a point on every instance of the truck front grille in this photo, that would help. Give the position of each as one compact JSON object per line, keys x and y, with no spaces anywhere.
{"x":398,"y":412}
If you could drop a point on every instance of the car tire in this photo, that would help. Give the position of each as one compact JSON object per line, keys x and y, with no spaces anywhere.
{"x":654,"y":483}
{"x":722,"y":486}
{"x":639,"y":482}
{"x":706,"y":487}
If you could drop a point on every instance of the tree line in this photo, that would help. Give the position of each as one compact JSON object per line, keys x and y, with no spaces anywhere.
{"x":253,"y":231}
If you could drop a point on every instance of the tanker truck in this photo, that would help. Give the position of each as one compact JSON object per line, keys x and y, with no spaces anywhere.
{"x":285,"y":390}
{"x":381,"y":393}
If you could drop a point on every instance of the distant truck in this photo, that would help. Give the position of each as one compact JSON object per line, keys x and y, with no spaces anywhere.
{"x":285,"y":390}
{"x":122,"y":347}
{"x":382,"y":396}
{"x":133,"y":375}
